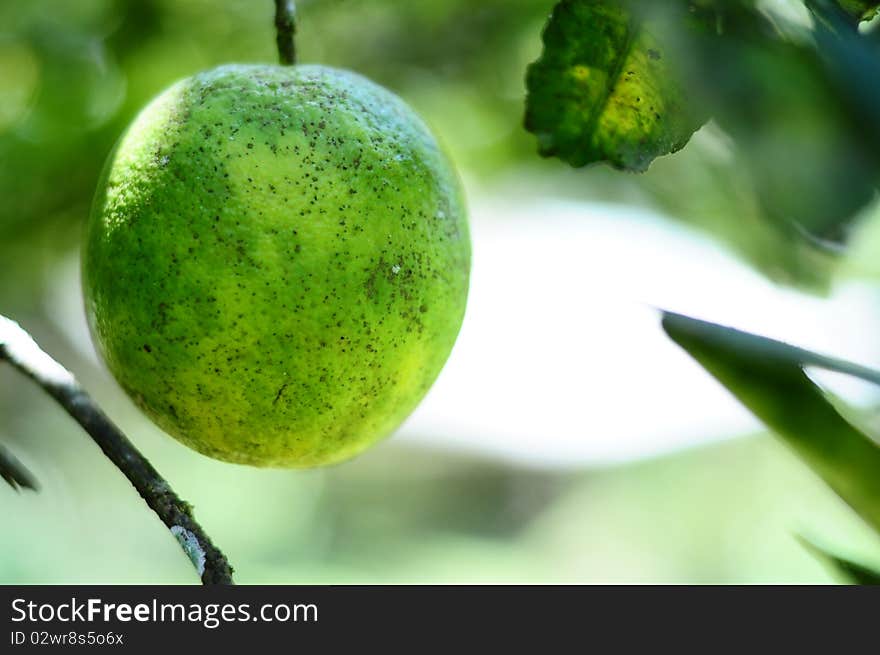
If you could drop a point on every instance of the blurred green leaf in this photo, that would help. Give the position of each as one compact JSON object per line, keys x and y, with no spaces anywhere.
{"x":853,"y":62}
{"x":798,"y":159}
{"x":706,"y":187}
{"x":602,"y":90}
{"x":861,"y":10}
{"x":768,"y":378}
{"x":769,"y":88}
{"x":851,"y":571}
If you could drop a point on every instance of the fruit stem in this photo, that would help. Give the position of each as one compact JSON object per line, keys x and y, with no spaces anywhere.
{"x":19,"y":349}
{"x":285,"y":29}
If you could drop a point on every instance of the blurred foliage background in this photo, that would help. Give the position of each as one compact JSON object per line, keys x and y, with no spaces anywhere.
{"x":72,"y":76}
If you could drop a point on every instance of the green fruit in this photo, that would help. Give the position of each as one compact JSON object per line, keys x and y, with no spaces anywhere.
{"x":276,"y":264}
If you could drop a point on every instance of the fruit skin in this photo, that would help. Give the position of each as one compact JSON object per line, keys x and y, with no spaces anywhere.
{"x":276,"y":263}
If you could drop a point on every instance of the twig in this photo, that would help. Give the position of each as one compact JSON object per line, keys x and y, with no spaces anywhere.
{"x":14,"y":472}
{"x":285,"y":28}
{"x":19,"y":349}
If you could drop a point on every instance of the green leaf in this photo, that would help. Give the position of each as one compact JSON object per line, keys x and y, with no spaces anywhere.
{"x":768,"y":378}
{"x":850,"y":571}
{"x":805,"y":149}
{"x":798,"y":125}
{"x":861,"y":10}
{"x":853,"y":62}
{"x":602,"y":90}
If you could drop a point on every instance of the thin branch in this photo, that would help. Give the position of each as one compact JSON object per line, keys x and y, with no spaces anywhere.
{"x":14,"y":472}
{"x":19,"y":349}
{"x":285,"y":29}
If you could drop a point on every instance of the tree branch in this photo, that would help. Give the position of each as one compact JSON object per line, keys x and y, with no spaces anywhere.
{"x":285,"y":29}
{"x":19,"y":349}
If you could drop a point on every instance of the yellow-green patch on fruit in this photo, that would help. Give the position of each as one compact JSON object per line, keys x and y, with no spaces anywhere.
{"x":276,"y":264}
